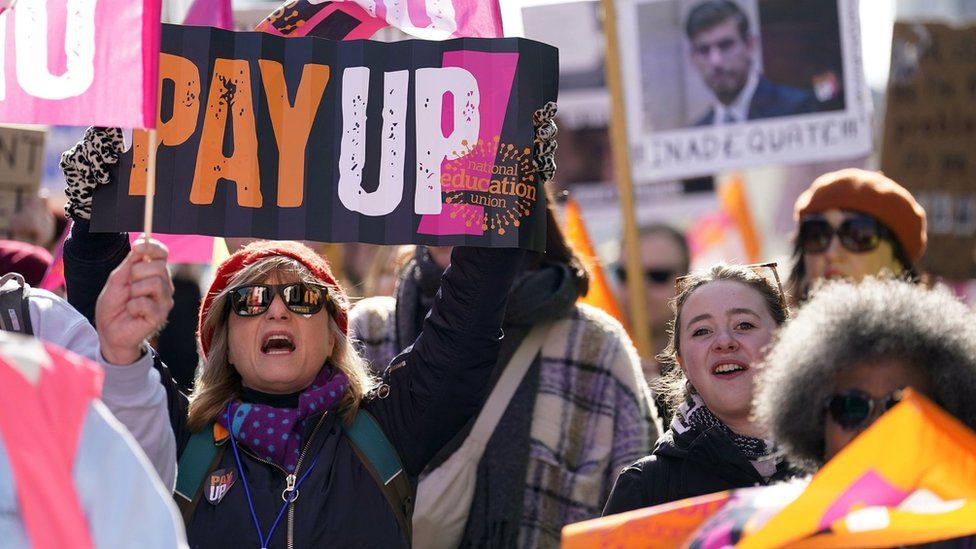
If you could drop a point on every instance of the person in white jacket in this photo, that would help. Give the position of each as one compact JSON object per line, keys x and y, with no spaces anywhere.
{"x":132,"y":392}
{"x":70,"y":474}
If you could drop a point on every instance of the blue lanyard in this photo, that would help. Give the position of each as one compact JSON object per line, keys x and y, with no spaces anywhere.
{"x":290,"y":494}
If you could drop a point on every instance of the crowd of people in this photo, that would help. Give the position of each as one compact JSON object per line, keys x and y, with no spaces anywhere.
{"x":469,"y":399}
{"x":313,"y":420}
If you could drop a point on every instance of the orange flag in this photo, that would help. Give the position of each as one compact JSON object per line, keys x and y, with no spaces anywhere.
{"x":660,"y":527}
{"x":909,"y":479}
{"x":599,"y":295}
{"x":732,"y":196}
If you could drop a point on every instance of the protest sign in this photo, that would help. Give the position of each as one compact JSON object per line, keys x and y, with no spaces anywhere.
{"x":930,"y":137}
{"x":355,"y":19}
{"x":21,"y":167}
{"x":694,"y":108}
{"x":79,"y":62}
{"x":301,"y":138}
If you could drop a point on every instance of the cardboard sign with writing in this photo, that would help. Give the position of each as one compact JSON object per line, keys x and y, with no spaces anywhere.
{"x":21,"y":167}
{"x":302,"y":138}
{"x":930,"y":137}
{"x":793,"y":91}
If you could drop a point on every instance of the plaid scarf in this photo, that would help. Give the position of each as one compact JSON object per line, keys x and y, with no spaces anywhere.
{"x":275,"y":434}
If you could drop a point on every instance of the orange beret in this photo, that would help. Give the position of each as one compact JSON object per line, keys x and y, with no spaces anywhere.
{"x":870,"y":193}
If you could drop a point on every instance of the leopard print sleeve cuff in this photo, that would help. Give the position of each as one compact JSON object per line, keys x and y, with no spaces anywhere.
{"x":544,"y":147}
{"x":86,"y":165}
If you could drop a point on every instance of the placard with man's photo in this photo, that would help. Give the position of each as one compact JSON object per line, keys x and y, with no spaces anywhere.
{"x":713,"y":85}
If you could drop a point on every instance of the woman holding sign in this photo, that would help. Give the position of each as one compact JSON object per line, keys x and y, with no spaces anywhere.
{"x":288,"y":440}
{"x":724,"y":318}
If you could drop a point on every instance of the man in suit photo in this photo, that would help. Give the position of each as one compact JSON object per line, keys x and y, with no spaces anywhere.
{"x":723,"y":51}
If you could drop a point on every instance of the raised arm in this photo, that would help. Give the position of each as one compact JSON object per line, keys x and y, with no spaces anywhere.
{"x":90,"y":257}
{"x":439,"y":383}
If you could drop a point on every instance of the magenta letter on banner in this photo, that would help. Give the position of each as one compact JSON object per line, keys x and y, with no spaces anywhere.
{"x":499,"y":69}
{"x":80,"y":62}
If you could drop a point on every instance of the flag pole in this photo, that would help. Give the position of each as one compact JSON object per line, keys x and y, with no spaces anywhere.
{"x":641,"y":333}
{"x":150,"y":185}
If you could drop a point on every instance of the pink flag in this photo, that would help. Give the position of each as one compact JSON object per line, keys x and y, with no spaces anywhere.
{"x":54,"y":277}
{"x":80,"y":62}
{"x":210,"y":13}
{"x":184,"y":248}
{"x":354,"y":19}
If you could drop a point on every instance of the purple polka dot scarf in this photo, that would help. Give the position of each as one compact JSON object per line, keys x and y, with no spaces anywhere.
{"x":275,"y":434}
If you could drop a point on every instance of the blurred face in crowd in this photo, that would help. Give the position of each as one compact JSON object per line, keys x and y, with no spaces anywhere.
{"x":828,"y":238}
{"x":663,"y":261}
{"x":725,"y":326}
{"x":279,"y":351}
{"x":723,"y":57}
{"x":861,"y":394}
{"x":440,"y":255}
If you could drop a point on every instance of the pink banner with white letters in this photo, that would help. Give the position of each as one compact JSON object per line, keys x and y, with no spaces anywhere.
{"x":355,"y":19}
{"x":80,"y":62}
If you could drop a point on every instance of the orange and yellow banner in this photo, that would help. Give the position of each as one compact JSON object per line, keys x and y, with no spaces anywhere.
{"x":909,"y":479}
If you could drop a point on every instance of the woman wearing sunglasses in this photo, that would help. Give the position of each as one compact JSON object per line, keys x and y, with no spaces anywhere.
{"x":270,"y":427}
{"x":851,"y":350}
{"x":723,"y":320}
{"x":854,"y":223}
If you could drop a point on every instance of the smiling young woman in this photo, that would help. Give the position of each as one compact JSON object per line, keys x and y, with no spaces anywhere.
{"x":724,"y":318}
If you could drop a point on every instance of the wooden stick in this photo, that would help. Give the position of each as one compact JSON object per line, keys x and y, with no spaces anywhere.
{"x":641,"y":328}
{"x":150,"y":185}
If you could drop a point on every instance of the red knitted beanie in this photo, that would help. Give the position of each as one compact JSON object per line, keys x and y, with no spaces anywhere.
{"x":871,"y":193}
{"x":268,"y":248}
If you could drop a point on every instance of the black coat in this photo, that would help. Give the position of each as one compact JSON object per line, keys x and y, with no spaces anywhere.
{"x":693,"y":463}
{"x":432,"y":397}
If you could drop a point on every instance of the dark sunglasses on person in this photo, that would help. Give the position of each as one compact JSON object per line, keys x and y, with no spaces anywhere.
{"x":851,"y":409}
{"x":858,"y":234}
{"x":300,"y":298}
{"x":654,"y":276}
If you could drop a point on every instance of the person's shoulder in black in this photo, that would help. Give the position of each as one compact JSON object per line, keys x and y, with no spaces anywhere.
{"x":693,"y":463}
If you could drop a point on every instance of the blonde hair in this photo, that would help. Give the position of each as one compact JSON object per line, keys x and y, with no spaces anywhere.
{"x":218,"y":382}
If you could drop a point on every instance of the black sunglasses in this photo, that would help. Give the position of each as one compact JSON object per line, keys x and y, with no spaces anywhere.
{"x":857,"y":234}
{"x":300,"y":298}
{"x":851,"y":409}
{"x":654,"y":276}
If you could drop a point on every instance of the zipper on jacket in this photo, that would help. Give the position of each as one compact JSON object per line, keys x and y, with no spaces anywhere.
{"x":290,"y":478}
{"x":382,"y":390}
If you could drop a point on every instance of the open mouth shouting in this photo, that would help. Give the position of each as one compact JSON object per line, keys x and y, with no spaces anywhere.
{"x":278,"y":343}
